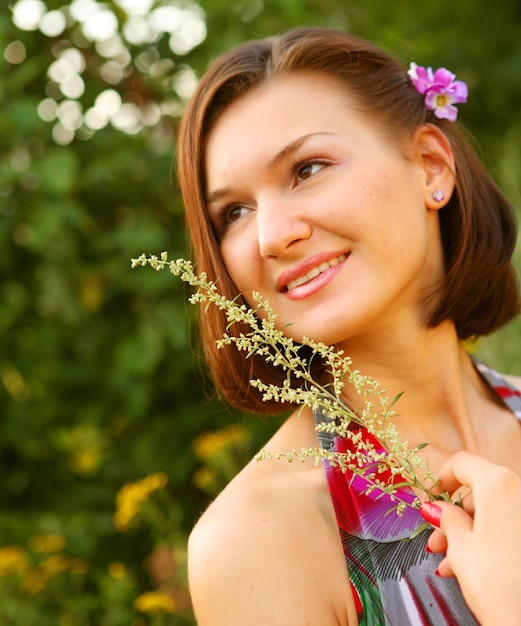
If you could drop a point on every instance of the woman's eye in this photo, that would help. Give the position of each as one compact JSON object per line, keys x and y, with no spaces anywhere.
{"x":227,"y":216}
{"x":233,"y":213}
{"x":307,"y":170}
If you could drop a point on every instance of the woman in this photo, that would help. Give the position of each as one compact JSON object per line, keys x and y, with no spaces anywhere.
{"x":318,"y":172}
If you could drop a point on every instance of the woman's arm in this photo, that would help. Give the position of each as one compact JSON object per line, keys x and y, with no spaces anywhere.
{"x":482,"y":539}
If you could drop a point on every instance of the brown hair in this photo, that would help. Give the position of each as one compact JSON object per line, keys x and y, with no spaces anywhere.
{"x":478,"y":226}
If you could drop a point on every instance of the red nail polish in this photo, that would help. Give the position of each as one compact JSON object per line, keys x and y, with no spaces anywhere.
{"x":427,"y":549}
{"x":437,"y":572}
{"x":431,"y":513}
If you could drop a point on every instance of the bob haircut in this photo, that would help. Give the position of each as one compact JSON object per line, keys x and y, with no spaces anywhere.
{"x":478,"y":226}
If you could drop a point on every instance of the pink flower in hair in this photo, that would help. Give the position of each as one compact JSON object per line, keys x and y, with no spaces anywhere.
{"x":441,"y":91}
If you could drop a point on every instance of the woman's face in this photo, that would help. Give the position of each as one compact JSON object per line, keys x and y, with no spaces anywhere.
{"x":320,"y":213}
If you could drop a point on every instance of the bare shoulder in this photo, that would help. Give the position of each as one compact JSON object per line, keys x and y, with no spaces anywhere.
{"x":267,"y":551}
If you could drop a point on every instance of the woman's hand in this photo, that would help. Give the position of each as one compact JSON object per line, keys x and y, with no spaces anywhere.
{"x":482,"y":538}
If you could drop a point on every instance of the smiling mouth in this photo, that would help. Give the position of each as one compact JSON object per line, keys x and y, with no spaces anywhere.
{"x":316,"y":271}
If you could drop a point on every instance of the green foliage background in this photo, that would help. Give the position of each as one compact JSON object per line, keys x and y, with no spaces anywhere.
{"x":99,"y":381}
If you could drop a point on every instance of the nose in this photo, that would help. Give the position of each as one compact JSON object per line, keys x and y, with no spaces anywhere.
{"x":281,"y":226}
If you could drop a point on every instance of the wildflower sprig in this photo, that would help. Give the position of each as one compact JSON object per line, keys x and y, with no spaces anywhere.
{"x":387,"y":465}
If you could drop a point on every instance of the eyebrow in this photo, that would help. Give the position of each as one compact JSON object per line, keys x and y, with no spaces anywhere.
{"x":292,"y":147}
{"x":281,"y":156}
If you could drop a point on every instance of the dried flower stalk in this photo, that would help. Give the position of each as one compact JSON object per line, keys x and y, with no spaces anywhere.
{"x":395,"y":459}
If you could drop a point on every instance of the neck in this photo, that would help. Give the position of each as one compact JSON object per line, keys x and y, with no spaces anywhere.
{"x":442,"y":392}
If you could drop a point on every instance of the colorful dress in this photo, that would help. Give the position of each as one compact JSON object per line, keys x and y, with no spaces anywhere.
{"x":392,"y":576}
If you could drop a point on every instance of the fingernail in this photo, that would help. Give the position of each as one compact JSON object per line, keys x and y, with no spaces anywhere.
{"x":431,"y":513}
{"x":437,"y":572}
{"x":427,"y":549}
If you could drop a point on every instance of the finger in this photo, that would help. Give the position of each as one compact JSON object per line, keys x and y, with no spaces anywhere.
{"x":464,"y":498}
{"x":464,"y":469}
{"x":437,"y":542}
{"x":444,"y":569}
{"x":449,"y":518}
{"x":454,"y":521}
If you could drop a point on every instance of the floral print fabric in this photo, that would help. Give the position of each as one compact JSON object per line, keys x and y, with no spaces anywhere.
{"x":392,"y":576}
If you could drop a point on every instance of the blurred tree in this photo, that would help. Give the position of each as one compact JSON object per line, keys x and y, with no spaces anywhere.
{"x":99,"y":383}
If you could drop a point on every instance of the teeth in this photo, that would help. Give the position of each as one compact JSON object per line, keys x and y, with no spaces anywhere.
{"x":315,"y":272}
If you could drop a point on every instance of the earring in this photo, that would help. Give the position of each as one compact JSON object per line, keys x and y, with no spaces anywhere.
{"x":438,"y":195}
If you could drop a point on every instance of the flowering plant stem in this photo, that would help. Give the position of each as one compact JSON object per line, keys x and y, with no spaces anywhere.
{"x":391,"y":457}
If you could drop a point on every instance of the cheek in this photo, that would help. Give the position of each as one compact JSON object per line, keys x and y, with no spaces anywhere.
{"x":239,"y":260}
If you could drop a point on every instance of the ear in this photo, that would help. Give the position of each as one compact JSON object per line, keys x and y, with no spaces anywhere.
{"x":434,"y":155}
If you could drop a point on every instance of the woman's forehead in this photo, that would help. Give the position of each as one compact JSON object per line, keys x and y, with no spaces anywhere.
{"x":279,"y":106}
{"x":307,"y":84}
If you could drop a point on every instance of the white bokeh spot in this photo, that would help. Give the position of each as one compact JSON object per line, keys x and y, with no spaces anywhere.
{"x":28,"y":13}
{"x":53,"y":23}
{"x":135,"y":7}
{"x":100,"y":25}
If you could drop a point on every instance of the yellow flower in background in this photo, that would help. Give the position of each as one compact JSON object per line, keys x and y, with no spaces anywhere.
{"x":223,"y":453}
{"x":46,"y":543}
{"x":131,"y":495}
{"x":36,"y":578}
{"x":34,"y":582}
{"x":204,"y":477}
{"x":14,"y":383}
{"x":117,"y":570}
{"x":85,"y":445}
{"x":78,"y":566}
{"x":154,"y":602}
{"x":13,"y":559}
{"x":54,"y":564}
{"x":209,"y":444}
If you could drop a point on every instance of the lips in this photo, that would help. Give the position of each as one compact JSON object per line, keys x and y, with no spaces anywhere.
{"x":313,"y":272}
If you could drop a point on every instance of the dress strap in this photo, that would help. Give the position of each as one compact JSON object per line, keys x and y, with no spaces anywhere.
{"x":510,"y":396}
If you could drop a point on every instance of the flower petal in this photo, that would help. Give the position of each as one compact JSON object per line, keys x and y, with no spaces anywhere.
{"x":431,"y":99}
{"x":443,"y":77}
{"x":447,"y":112}
{"x":421,"y":77}
{"x":459,"y":91}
